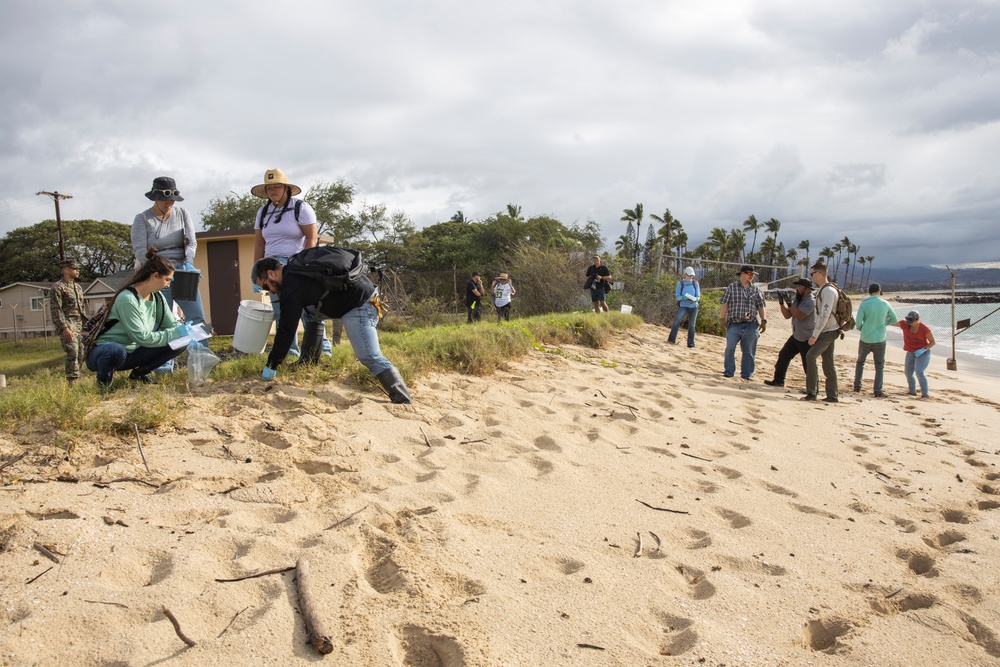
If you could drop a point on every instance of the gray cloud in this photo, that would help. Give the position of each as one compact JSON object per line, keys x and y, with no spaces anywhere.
{"x":875,"y":121}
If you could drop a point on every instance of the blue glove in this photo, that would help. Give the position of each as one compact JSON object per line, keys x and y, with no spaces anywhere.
{"x":183,"y":330}
{"x":921,"y":352}
{"x":188,"y":266}
{"x":257,"y":289}
{"x":268,"y":374}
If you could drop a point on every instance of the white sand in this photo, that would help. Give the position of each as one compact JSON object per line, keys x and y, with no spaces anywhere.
{"x":863,"y":533}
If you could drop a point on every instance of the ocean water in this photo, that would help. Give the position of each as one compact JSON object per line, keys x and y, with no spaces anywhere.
{"x":981,"y":340}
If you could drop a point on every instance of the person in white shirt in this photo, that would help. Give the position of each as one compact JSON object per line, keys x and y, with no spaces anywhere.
{"x":825,"y":333}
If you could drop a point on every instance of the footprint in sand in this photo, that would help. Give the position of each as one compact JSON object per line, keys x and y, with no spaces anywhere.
{"x":692,"y":582}
{"x":420,"y":646}
{"x":568,"y":565}
{"x":902,"y":604}
{"x":780,"y":490}
{"x":547,"y":443}
{"x":821,"y":634}
{"x":989,"y":490}
{"x":692,"y":538}
{"x":944,"y":539}
{"x":729,"y":473}
{"x":679,"y":637}
{"x":733,"y":519}
{"x":955,"y":516}
{"x":905,"y":525}
{"x":806,"y":509}
{"x":920,"y":564}
{"x":987,"y":504}
{"x":985,"y":637}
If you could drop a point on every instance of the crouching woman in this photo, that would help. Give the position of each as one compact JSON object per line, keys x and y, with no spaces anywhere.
{"x":138,"y":327}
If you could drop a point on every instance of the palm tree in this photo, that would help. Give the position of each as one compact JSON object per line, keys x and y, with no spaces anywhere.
{"x":870,"y":258}
{"x":833,"y":267}
{"x":767,"y":247}
{"x":853,"y":250}
{"x":634,"y":215}
{"x":459,"y":217}
{"x":718,"y":241}
{"x":681,"y":239}
{"x":845,"y":246}
{"x":751,"y":225}
{"x":670,"y":225}
{"x":862,"y":261}
{"x":773,"y":225}
{"x":514,"y":212}
{"x":804,"y":245}
{"x":737,"y":243}
{"x":847,"y":265}
{"x":827,"y":253}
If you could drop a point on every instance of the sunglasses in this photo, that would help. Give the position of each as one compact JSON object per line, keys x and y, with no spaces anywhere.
{"x":169,"y":193}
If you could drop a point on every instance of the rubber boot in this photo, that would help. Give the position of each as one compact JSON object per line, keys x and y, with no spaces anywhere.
{"x":312,"y":343}
{"x":393,"y":384}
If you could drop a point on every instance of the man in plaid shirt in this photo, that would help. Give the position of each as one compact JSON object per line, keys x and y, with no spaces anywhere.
{"x":742,"y":303}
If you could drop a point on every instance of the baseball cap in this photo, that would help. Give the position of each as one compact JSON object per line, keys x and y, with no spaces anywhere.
{"x":746,"y":268}
{"x":689,"y":271}
{"x":912,"y":317}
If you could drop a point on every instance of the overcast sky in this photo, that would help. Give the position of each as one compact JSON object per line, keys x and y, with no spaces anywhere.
{"x":876,"y":120}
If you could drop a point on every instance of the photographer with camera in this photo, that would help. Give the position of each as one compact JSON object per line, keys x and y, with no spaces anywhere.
{"x":801,"y":310}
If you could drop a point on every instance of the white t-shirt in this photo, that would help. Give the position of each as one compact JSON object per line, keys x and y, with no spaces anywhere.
{"x":501,"y":294}
{"x":282,"y":237}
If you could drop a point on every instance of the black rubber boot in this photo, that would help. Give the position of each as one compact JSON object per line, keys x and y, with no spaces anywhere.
{"x":312,"y":343}
{"x":393,"y":384}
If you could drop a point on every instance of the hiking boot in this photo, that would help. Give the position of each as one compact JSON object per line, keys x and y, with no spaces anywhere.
{"x":831,"y":399}
{"x":879,"y":394}
{"x":808,"y":397}
{"x":774,"y":383}
{"x":105,"y":383}
{"x":857,"y":389}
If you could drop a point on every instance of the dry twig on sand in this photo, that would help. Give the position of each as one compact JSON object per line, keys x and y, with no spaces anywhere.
{"x":177,"y":627}
{"x":277,"y":570}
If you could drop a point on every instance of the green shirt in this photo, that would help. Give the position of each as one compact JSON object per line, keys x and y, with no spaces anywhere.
{"x":141,"y":322}
{"x":874,"y":314}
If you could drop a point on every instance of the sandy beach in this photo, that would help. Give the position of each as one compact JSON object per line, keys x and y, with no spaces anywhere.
{"x":625,"y":506}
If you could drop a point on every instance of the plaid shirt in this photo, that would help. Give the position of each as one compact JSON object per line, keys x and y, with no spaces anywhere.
{"x":742,"y":301}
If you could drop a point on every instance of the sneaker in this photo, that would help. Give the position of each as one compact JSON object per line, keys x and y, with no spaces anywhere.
{"x":879,"y":394}
{"x":808,"y":397}
{"x":774,"y":383}
{"x":145,"y":378}
{"x":831,"y":399}
{"x":726,"y":376}
{"x":690,"y":345}
{"x":857,"y":389}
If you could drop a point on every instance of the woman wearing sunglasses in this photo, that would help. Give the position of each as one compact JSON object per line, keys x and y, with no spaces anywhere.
{"x":170,"y":229}
{"x":283,"y":227}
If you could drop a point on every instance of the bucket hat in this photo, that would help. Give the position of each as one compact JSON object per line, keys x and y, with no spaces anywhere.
{"x":272,"y":176}
{"x":164,"y":189}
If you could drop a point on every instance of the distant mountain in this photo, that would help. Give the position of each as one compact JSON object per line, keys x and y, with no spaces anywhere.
{"x":929,"y":277}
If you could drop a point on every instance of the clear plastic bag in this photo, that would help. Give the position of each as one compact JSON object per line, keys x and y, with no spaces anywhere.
{"x":200,"y":362}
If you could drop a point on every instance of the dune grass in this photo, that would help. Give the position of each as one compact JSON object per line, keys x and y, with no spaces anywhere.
{"x":39,"y":399}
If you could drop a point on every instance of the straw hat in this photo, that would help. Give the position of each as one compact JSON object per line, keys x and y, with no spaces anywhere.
{"x":502,"y":276}
{"x":272,"y":176}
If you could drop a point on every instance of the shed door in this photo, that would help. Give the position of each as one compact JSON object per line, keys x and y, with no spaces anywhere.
{"x":224,"y":285}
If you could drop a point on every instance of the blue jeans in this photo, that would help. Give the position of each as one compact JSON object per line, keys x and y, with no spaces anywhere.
{"x":744,"y":333}
{"x":107,"y":358}
{"x":917,"y":365}
{"x":194,"y":311}
{"x":360,"y":326}
{"x":877,"y":351}
{"x":307,"y":318}
{"x":692,"y":316}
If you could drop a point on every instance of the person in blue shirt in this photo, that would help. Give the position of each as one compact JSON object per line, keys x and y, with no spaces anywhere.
{"x":688,"y":293}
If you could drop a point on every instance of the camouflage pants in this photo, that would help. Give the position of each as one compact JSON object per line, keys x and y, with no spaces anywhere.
{"x":74,"y":351}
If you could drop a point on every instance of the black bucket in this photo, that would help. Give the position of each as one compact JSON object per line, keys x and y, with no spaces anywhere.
{"x":185,"y":285}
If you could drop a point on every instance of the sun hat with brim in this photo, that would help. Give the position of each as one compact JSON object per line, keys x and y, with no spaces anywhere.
{"x":164,"y":189}
{"x":803,"y":282}
{"x":502,"y":276}
{"x":912,"y":317}
{"x":271,"y":177}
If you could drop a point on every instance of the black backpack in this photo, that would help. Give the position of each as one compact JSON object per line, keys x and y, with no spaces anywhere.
{"x":263,"y":211}
{"x":337,"y":269}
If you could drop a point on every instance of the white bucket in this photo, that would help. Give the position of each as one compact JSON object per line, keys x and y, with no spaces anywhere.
{"x":252,"y":326}
{"x":626,"y":309}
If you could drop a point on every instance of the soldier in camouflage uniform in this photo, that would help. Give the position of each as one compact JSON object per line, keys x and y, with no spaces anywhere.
{"x":66,"y":304}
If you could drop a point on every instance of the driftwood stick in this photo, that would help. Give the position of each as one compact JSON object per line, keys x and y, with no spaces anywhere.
{"x":696,"y":457}
{"x":660,"y":509}
{"x":277,"y":570}
{"x":45,"y":552}
{"x":35,"y":578}
{"x":177,"y":628}
{"x":13,"y":460}
{"x":314,"y":626}
{"x":130,"y":479}
{"x":426,"y":439}
{"x":348,"y":517}
{"x":135,"y":427}
{"x":231,"y":621}
{"x":638,"y":548}
{"x":657,"y":538}
{"x":113,"y":604}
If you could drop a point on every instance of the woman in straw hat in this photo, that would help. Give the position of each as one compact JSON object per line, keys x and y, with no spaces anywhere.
{"x":503,"y":290}
{"x":171,"y":230}
{"x":283,"y":227}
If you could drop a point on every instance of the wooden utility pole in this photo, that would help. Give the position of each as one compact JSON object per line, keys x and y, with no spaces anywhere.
{"x":56,"y":197}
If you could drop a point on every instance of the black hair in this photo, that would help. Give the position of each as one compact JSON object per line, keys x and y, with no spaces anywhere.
{"x":262,"y":266}
{"x":154,"y":264}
